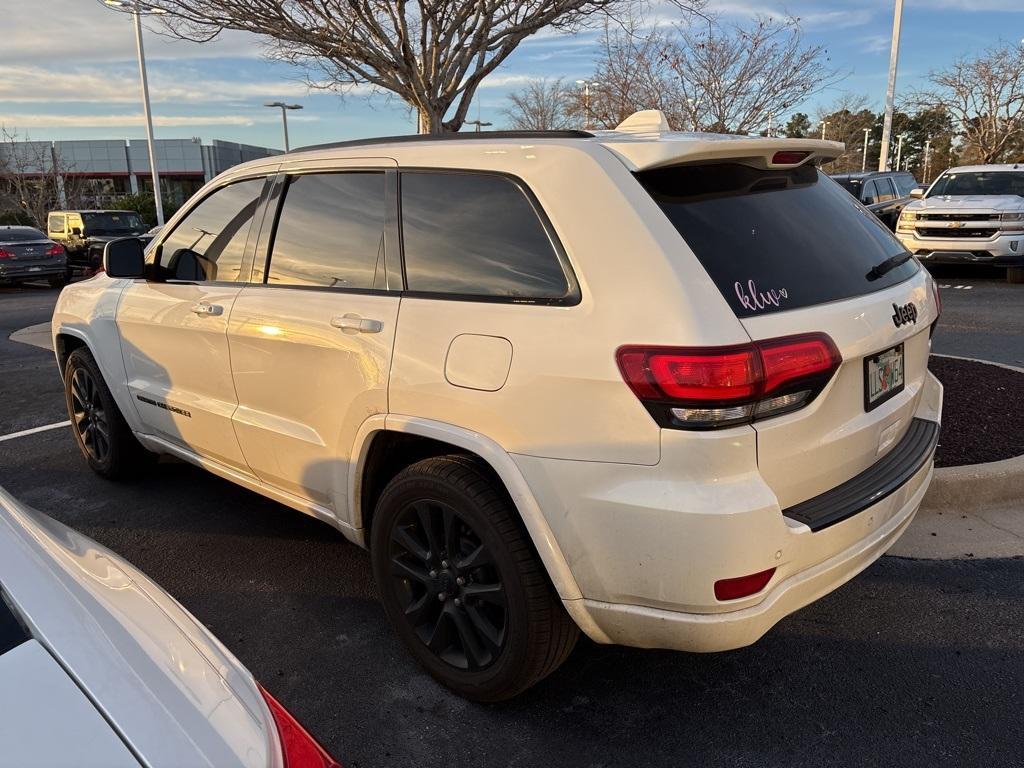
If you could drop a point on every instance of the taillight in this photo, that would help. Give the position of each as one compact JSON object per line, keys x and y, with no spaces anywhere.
{"x":56,"y":250}
{"x":742,"y":586}
{"x":300,"y":750}
{"x":706,"y":388}
{"x":788,"y":157}
{"x":6,"y":254}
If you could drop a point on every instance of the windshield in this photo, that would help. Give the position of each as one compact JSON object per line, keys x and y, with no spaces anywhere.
{"x":16,"y":234}
{"x":774,"y":240}
{"x":979,"y":183}
{"x":113,"y":223}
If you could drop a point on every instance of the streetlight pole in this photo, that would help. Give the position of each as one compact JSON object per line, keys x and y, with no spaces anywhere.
{"x":824,"y":125}
{"x":864,"y":160}
{"x":284,"y":116}
{"x":586,"y":101}
{"x":899,"y":150}
{"x":136,"y":12}
{"x":890,"y":93}
{"x":927,"y":158}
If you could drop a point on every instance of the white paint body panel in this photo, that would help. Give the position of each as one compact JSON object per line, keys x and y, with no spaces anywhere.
{"x":47,"y":721}
{"x":632,"y":522}
{"x":159,"y":679}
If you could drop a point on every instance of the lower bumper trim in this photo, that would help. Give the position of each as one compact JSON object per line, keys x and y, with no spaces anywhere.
{"x":873,"y":484}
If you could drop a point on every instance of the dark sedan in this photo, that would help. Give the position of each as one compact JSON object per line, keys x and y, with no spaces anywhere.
{"x":28,"y":254}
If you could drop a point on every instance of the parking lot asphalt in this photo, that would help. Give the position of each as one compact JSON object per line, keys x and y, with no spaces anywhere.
{"x":912,"y":663}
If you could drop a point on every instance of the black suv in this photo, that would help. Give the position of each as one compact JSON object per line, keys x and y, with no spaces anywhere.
{"x":84,"y":233}
{"x":884,"y":193}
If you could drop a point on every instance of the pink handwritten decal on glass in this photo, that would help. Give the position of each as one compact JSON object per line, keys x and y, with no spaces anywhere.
{"x":755,"y":300}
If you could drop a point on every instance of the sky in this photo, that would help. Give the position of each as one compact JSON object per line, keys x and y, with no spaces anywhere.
{"x":70,"y":71}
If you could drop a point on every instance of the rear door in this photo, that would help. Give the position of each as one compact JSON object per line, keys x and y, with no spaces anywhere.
{"x":311,"y":337}
{"x":793,"y":253}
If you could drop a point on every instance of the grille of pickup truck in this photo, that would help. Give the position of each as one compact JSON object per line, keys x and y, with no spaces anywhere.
{"x":958,"y":216}
{"x":973,"y":233}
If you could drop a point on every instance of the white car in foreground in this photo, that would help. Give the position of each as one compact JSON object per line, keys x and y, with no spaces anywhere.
{"x":969,"y":215}
{"x":100,"y":667}
{"x":663,"y":388}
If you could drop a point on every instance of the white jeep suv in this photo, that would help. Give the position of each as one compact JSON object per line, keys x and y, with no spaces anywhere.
{"x":661,"y":388}
{"x":973,"y":214}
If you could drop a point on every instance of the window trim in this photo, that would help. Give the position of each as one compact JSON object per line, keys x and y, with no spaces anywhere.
{"x":574,"y":293}
{"x":272,"y":216}
{"x":155,"y":252}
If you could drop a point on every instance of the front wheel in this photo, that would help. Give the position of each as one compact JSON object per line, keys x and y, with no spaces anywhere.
{"x":461,"y":583}
{"x":103,"y":436}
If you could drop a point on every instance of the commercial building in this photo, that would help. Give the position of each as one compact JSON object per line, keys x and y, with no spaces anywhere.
{"x":102,"y":171}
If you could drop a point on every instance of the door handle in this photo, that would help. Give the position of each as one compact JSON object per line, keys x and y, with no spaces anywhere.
{"x":353,"y":323}
{"x":212,"y":310}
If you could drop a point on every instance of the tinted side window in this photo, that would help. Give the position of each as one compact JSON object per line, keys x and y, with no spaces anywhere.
{"x":209,"y":243}
{"x":904,"y":184}
{"x":56,"y":224}
{"x":477,"y":234}
{"x":870,"y":194}
{"x":330,"y":232}
{"x":886,"y":192}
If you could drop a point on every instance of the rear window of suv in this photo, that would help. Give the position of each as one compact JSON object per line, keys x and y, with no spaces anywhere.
{"x":774,"y":240}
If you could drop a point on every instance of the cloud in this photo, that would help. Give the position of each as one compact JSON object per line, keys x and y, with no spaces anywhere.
{"x":24,"y":121}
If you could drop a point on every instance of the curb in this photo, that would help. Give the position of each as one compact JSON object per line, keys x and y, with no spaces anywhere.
{"x":976,"y":485}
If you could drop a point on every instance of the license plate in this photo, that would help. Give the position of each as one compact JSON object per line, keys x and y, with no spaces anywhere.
{"x":883,"y":376}
{"x":35,"y":269}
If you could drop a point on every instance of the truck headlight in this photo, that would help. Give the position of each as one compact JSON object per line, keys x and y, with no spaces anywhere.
{"x":908,"y":216}
{"x":1018,"y":216}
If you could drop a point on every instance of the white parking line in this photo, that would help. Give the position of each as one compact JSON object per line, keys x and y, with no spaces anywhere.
{"x":34,"y":430}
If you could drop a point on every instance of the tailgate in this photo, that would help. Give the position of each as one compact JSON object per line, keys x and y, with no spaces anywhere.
{"x":841,"y":434}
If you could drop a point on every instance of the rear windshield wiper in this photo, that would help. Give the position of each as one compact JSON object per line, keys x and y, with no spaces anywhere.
{"x":889,"y":265}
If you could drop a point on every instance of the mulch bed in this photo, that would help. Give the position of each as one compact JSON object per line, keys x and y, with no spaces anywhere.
{"x":982,"y":413}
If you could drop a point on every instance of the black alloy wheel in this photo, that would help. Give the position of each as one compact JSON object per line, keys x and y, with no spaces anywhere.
{"x":89,"y":417}
{"x":452,"y":591}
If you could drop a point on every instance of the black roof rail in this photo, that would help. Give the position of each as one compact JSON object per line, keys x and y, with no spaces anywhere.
{"x":429,"y":137}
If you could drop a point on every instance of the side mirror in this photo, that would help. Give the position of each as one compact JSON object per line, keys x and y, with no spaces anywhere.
{"x":124,"y":257}
{"x":917,"y":193}
{"x":76,"y":231}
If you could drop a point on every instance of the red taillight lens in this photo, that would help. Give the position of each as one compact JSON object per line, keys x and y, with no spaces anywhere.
{"x":789,"y":157}
{"x":6,"y":254}
{"x":743,"y":586}
{"x":721,"y":386}
{"x":300,"y":749}
{"x":55,"y":250}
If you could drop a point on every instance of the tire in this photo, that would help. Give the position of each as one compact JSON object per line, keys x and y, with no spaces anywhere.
{"x":1015,"y":275}
{"x":494,"y":621}
{"x":101,"y":433}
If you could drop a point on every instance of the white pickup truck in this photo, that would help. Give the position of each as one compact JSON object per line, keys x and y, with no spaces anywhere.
{"x":971,"y":214}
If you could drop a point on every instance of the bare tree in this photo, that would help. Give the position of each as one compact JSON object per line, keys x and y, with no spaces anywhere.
{"x":632,"y":73}
{"x":433,"y":54}
{"x":985,"y":97}
{"x":34,"y":179}
{"x":543,"y":105}
{"x":736,"y":78}
{"x":845,"y":120}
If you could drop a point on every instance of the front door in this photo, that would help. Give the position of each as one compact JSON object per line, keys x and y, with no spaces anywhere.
{"x":311,"y":337}
{"x":174,"y":328}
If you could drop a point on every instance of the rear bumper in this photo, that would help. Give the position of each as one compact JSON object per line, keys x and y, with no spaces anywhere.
{"x":647,"y":544}
{"x":1000,"y":251}
{"x":14,"y":271}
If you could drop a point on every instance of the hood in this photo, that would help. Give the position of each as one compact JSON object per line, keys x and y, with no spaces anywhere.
{"x":980,"y":203}
{"x":173,"y":693}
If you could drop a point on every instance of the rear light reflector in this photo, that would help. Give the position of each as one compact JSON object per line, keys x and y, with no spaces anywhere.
{"x":300,"y":750}
{"x":742,"y":586}
{"x":705,"y":388}
{"x":6,"y":254}
{"x":789,"y":157}
{"x":55,"y":250}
